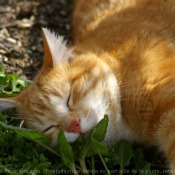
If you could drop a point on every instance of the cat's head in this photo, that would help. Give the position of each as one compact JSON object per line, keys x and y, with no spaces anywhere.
{"x":68,"y":93}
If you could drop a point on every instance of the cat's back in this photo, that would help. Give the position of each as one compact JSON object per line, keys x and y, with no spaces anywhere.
{"x":130,"y":35}
{"x":116,"y":18}
{"x":88,"y":14}
{"x":137,"y":40}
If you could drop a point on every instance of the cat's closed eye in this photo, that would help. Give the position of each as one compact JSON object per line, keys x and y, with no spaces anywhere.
{"x":68,"y":100}
{"x":47,"y":129}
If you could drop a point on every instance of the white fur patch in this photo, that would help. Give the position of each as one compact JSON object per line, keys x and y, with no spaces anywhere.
{"x":7,"y":104}
{"x":57,"y":47}
{"x":87,"y":123}
{"x":71,"y":137}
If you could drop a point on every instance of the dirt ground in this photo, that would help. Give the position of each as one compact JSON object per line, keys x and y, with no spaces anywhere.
{"x":21,"y":47}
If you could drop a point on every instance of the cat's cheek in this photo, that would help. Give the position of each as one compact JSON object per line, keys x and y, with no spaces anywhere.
{"x":88,"y":123}
{"x":71,"y":137}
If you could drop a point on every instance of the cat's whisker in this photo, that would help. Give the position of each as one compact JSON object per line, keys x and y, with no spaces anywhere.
{"x":128,"y":85}
{"x":99,"y":100}
{"x":128,"y":89}
{"x":134,"y":91}
{"x":129,"y":94}
{"x":93,"y":105}
{"x":22,"y":122}
{"x":26,"y":118}
{"x":96,"y":102}
{"x":20,"y":118}
{"x":127,"y":100}
{"x":125,"y":91}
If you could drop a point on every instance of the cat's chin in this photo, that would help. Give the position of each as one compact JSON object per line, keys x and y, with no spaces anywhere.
{"x":71,"y":137}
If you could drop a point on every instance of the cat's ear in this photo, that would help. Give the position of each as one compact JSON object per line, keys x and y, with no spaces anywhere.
{"x":7,"y":104}
{"x":55,"y":49}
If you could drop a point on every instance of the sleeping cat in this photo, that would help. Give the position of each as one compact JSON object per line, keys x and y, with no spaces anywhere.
{"x":122,"y":64}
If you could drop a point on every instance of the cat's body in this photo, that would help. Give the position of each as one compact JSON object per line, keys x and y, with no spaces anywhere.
{"x":123,"y":65}
{"x":137,"y":40}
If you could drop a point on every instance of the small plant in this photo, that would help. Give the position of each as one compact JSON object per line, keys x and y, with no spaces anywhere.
{"x":10,"y":84}
{"x":23,"y":151}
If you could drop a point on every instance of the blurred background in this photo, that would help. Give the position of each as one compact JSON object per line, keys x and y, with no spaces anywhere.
{"x":21,"y":47}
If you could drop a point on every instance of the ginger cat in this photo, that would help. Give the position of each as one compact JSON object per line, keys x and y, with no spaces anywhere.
{"x":123,"y":65}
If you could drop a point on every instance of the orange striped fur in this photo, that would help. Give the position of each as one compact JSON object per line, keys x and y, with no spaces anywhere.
{"x":123,"y":65}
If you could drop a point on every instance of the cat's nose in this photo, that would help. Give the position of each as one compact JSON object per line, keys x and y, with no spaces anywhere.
{"x":75,"y":127}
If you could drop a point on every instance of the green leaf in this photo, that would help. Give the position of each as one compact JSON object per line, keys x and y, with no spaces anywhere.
{"x":97,"y":133}
{"x":43,"y":158}
{"x":18,"y":154}
{"x":86,"y":146}
{"x":94,"y":147}
{"x":122,"y":153}
{"x":139,"y":158}
{"x":11,"y":85}
{"x":34,"y":136}
{"x":3,"y":118}
{"x":142,"y":165}
{"x":1,"y":70}
{"x":65,"y":150}
{"x":14,"y":128}
{"x":14,"y":84}
{"x":100,"y":129}
{"x":2,"y":82}
{"x":99,"y":148}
